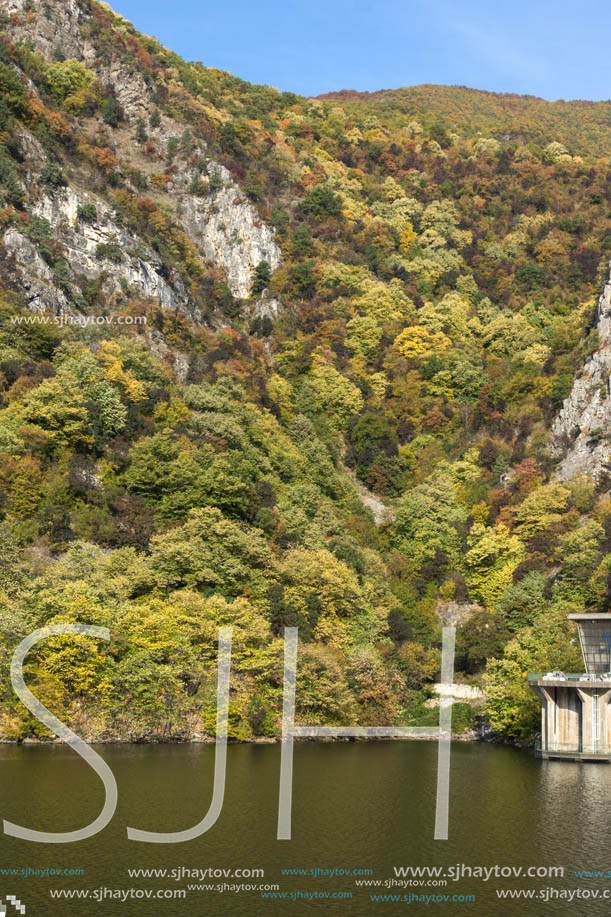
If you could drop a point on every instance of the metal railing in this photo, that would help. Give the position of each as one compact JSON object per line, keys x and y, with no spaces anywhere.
{"x":584,"y":677}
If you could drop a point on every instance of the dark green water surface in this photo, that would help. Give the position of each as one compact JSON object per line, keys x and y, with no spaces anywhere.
{"x":356,"y":806}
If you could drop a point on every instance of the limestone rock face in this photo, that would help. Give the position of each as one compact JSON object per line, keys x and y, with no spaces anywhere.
{"x":581,"y":434}
{"x":34,"y":274}
{"x":130,"y":90}
{"x":266,"y":307}
{"x":139,"y":267}
{"x":60,"y":29}
{"x":228,"y":230}
{"x":221,"y":222}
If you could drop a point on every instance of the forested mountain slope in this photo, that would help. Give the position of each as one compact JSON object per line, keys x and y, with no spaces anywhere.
{"x":581,"y":125}
{"x":219,"y":304}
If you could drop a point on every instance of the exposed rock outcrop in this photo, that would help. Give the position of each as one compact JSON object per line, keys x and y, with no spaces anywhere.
{"x":59,"y":30}
{"x":84,"y":250}
{"x":266,"y":307}
{"x":229,"y":231}
{"x":34,"y":275}
{"x":455,"y":614}
{"x":221,"y":222}
{"x":581,"y":434}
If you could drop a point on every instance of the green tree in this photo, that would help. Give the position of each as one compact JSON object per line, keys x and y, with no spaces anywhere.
{"x":211,"y":553}
{"x":493,"y":555}
{"x":419,"y":664}
{"x":522,"y":602}
{"x":326,"y":390}
{"x":322,"y":202}
{"x":430,"y":520}
{"x":13,"y":92}
{"x":261,"y":278}
{"x":512,"y":707}
{"x":542,"y":510}
{"x":68,"y":82}
{"x":111,"y":110}
{"x":480,"y":638}
{"x":58,"y":408}
{"x":302,"y":241}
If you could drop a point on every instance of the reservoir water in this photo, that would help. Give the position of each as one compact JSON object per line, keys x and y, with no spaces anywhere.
{"x":356,"y":806}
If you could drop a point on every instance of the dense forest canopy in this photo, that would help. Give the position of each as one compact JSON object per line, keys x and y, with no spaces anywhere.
{"x":442,"y":252}
{"x":582,"y":125}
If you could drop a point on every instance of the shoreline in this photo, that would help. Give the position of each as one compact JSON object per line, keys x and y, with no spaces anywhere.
{"x":464,"y":738}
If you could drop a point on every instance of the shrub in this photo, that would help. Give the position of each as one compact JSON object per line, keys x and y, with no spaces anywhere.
{"x":38,"y":230}
{"x":110,"y":251}
{"x":111,"y":111}
{"x":141,"y":133}
{"x":52,"y":175}
{"x":62,"y":275}
{"x":87,"y":213}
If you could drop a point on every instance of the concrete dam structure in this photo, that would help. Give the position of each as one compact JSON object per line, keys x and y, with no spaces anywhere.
{"x":575,"y":712}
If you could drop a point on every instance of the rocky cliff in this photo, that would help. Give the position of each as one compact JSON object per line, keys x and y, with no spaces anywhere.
{"x":83,"y":242}
{"x":581,"y":432}
{"x":218,"y":219}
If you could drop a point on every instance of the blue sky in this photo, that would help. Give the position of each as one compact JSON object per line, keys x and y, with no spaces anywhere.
{"x":554,"y":50}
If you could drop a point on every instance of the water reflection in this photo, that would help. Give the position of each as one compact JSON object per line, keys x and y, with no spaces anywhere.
{"x":573,"y":810}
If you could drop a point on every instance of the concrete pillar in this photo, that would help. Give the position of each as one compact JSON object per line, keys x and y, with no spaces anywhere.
{"x":605,"y":721}
{"x":549,"y":738}
{"x":544,"y":731}
{"x":568,"y":718}
{"x":587,"y":740}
